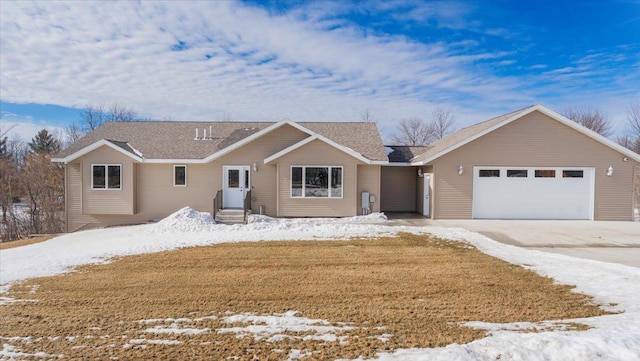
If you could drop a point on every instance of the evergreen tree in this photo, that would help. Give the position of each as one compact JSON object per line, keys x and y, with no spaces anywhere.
{"x":44,"y":143}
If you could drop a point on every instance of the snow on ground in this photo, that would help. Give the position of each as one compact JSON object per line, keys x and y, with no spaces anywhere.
{"x":613,"y":337}
{"x":274,"y":327}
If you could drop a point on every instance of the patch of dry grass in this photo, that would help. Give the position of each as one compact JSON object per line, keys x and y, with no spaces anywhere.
{"x":25,"y":241}
{"x":413,"y":287}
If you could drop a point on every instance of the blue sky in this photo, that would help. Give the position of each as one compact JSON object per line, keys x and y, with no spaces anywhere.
{"x":315,"y":61}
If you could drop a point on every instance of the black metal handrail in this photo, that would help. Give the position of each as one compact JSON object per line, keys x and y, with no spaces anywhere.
{"x":247,"y":205}
{"x":217,"y":203}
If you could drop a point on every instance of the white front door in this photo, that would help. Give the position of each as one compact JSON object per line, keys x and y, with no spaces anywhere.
{"x":235,"y":185}
{"x":426,"y":200}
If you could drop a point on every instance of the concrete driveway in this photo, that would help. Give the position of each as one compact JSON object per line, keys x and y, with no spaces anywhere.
{"x":617,"y":242}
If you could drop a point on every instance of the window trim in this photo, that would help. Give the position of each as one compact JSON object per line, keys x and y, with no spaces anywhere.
{"x":565,"y":175}
{"x":509,"y":173}
{"x":185,"y":175}
{"x":539,"y":173}
{"x":106,"y":176}
{"x":303,"y":189}
{"x":487,"y":169}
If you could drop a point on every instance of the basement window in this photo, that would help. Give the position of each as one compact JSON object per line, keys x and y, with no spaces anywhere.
{"x":106,"y":176}
{"x":179,"y":175}
{"x":316,"y":182}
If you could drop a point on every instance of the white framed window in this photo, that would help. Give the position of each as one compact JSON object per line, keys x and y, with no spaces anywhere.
{"x":179,"y":175}
{"x":106,"y":176}
{"x":316,"y":181}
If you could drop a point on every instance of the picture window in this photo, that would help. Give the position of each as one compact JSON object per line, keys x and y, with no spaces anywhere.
{"x":316,"y":182}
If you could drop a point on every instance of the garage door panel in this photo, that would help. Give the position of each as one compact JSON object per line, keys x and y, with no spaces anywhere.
{"x":532,"y":197}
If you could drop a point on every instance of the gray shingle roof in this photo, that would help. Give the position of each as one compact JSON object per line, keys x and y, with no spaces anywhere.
{"x":404,"y":153}
{"x":176,"y":140}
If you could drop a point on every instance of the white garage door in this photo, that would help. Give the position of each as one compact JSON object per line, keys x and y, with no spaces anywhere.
{"x":533,"y":193}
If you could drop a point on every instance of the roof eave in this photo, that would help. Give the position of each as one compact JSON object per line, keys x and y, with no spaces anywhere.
{"x":93,"y":146}
{"x":321,"y":138}
{"x":544,"y":110}
{"x":253,"y":137}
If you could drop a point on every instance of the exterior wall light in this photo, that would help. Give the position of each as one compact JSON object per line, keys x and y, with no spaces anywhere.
{"x":420,"y":173}
{"x":460,"y":169}
{"x":610,"y":171}
{"x":255,"y":167}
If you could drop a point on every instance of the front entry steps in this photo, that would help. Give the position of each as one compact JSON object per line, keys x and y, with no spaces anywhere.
{"x":230,"y":216}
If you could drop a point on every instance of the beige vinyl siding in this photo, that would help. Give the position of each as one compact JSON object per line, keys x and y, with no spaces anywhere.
{"x":108,"y":201}
{"x":534,"y":140}
{"x":75,"y":218}
{"x":155,"y":195}
{"x":398,"y":189}
{"x":264,"y":181}
{"x":318,"y":153}
{"x":369,"y":181}
{"x":158,"y":197}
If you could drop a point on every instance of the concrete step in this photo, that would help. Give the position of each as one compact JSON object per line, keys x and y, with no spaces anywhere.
{"x":230,"y":216}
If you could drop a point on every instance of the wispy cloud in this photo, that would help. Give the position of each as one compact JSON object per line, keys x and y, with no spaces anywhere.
{"x":193,"y":60}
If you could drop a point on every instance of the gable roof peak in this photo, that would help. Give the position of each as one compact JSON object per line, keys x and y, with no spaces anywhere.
{"x":468,"y":134}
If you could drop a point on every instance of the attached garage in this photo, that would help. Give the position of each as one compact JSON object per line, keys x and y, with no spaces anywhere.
{"x":533,"y":193}
{"x":530,"y":164}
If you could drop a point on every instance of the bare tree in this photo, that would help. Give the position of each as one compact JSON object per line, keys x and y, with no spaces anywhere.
{"x":590,"y":117}
{"x":629,"y":142}
{"x":11,"y":189}
{"x":443,"y":123}
{"x":633,"y":119}
{"x":223,"y":117}
{"x":93,"y":116}
{"x":74,"y":132}
{"x":43,"y":182}
{"x":366,"y":116}
{"x":413,"y":131}
{"x":121,"y":113}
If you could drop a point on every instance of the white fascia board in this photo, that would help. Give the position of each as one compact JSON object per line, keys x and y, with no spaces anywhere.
{"x":548,"y":112}
{"x":255,"y":136}
{"x":474,"y":137}
{"x":399,"y":164}
{"x":319,"y":137}
{"x":174,"y":161}
{"x":588,"y":132}
{"x":90,"y":148}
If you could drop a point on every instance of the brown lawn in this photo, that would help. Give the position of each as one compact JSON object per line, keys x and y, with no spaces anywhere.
{"x":26,"y":241}
{"x":415,"y":288}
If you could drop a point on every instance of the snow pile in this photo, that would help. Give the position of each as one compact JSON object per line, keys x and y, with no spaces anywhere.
{"x":274,"y":327}
{"x":613,"y":337}
{"x":377,"y":217}
{"x":186,"y":220}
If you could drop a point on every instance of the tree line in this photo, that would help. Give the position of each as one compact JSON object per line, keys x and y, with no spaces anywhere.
{"x":32,"y":187}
